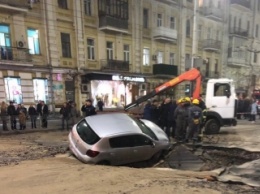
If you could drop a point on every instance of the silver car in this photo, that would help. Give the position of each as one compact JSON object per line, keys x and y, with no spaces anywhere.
{"x":117,"y":139}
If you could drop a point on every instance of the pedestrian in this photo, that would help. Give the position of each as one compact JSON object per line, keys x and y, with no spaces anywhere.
{"x":74,"y":113}
{"x":100,"y":104}
{"x":180,"y":118}
{"x":253,"y":110}
{"x":65,"y":115}
{"x":33,"y":115}
{"x":39,"y":111}
{"x":147,"y":111}
{"x":45,"y":113}
{"x":22,"y":120}
{"x":166,"y":116}
{"x":155,"y":112}
{"x":12,"y":113}
{"x":194,"y":121}
{"x":88,"y":109}
{"x":4,"y":115}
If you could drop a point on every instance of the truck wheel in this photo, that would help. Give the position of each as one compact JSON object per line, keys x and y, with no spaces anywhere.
{"x":212,"y":126}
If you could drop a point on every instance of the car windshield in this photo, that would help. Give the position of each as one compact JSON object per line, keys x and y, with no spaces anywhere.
{"x":144,"y":128}
{"x":86,"y":133}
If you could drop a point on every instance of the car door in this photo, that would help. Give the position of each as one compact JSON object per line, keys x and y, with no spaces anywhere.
{"x":143,"y":148}
{"x":120,"y":147}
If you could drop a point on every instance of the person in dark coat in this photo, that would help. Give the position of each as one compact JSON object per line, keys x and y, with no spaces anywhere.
{"x":166,"y":116}
{"x":147,"y":111}
{"x":12,"y":113}
{"x":88,"y":109}
{"x":155,"y":112}
{"x":45,"y":113}
{"x":65,"y":112}
{"x":33,"y":115}
{"x":180,"y":116}
{"x":100,"y":105}
{"x":39,"y":108}
{"x":4,"y":115}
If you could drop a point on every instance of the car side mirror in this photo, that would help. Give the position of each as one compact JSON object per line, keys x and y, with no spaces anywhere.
{"x":152,"y":144}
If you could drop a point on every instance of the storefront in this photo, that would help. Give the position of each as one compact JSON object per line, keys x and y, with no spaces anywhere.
{"x":114,"y":90}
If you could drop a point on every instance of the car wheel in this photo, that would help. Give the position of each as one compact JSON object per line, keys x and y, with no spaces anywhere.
{"x":212,"y":126}
{"x":103,"y":162}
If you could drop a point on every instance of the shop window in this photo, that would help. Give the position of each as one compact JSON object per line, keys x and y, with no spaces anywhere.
{"x":40,"y":88}
{"x":126,"y":53}
{"x":172,"y":22}
{"x":109,"y":50}
{"x":13,"y":89}
{"x":159,"y":20}
{"x":87,"y":7}
{"x":160,"y":57}
{"x":63,"y":4}
{"x":91,"y":49}
{"x":65,"y":44}
{"x":145,"y":18}
{"x":33,"y":41}
{"x":171,"y":58}
{"x":146,"y":56}
{"x":5,"y":42}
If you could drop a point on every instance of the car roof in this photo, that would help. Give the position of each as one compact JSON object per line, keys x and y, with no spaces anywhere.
{"x":110,"y":124}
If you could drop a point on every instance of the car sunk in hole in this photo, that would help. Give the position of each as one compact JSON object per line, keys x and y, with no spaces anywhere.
{"x":117,"y":139}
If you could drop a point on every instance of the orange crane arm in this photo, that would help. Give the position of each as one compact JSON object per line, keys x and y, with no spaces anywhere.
{"x":191,"y":75}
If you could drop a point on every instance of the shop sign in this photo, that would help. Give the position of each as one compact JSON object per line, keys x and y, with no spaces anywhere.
{"x":127,"y":78}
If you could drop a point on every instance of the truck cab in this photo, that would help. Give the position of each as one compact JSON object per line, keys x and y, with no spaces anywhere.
{"x":221,"y":104}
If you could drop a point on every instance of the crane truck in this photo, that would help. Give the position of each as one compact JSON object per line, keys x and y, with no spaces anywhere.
{"x":220,"y":99}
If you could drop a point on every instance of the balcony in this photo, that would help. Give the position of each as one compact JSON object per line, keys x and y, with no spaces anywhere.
{"x":109,"y":23}
{"x":241,"y":4}
{"x":13,"y":54}
{"x":14,"y":6}
{"x":239,"y":32}
{"x":213,"y":13}
{"x":211,"y":45}
{"x":210,"y":74}
{"x":165,"y":69}
{"x":165,"y":34}
{"x":114,"y":65}
{"x":169,"y":2}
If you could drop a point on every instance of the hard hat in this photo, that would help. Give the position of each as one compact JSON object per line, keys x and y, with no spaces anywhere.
{"x":187,"y":99}
{"x":179,"y":101}
{"x":195,"y":101}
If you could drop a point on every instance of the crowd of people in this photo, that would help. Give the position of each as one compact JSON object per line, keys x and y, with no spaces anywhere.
{"x":247,"y":109}
{"x":180,"y":119}
{"x":20,"y":113}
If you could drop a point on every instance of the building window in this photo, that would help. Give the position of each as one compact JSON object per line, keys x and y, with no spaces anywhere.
{"x":126,"y":52}
{"x":190,"y":1}
{"x":209,"y":33}
{"x":199,"y":32}
{"x":91,"y":49}
{"x":216,"y":66}
{"x":172,"y":23}
{"x":255,"y":57}
{"x":145,"y":18}
{"x":210,"y":3}
{"x":187,"y":62}
{"x":110,"y":50}
{"x":13,"y":89}
{"x":188,"y":28}
{"x":65,"y":45}
{"x":229,"y":23}
{"x":239,"y":23}
{"x":171,"y":59}
{"x":235,"y":21}
{"x":63,"y":4}
{"x":40,"y":89}
{"x":114,"y":8}
{"x":256,"y":31}
{"x":5,"y":43}
{"x":146,"y":57}
{"x":159,"y":20}
{"x":33,"y":41}
{"x":219,"y":4}
{"x":87,"y":7}
{"x":217,"y":35}
{"x":248,"y":27}
{"x":160,"y":57}
{"x":258,"y":5}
